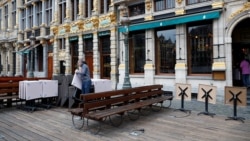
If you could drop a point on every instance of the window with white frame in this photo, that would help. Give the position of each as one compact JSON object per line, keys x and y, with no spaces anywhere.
{"x":6,"y":16}
{"x":48,"y":9}
{"x":75,"y":9}
{"x":62,"y":44}
{"x":39,"y":12}
{"x":104,"y":6}
{"x":164,"y":4}
{"x":23,"y":19}
{"x":88,"y":8}
{"x":30,"y":16}
{"x":13,"y":12}
{"x":189,"y":2}
{"x":62,"y":10}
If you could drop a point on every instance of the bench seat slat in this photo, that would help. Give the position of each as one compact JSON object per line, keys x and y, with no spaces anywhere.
{"x":121,"y":109}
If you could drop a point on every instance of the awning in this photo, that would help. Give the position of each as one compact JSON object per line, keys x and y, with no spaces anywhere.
{"x":32,"y":47}
{"x":24,"y":50}
{"x":173,"y":21}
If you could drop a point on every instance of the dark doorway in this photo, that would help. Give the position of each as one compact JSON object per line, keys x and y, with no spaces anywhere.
{"x":240,"y":49}
{"x":74,"y":55}
{"x":105,"y":57}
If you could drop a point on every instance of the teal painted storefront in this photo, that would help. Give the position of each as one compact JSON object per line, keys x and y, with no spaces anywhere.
{"x":173,"y":21}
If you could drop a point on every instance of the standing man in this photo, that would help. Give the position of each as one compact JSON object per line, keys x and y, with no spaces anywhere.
{"x":245,"y":71}
{"x":84,"y":74}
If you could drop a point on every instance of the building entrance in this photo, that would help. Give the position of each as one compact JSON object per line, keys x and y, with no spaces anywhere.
{"x":240,"y":49}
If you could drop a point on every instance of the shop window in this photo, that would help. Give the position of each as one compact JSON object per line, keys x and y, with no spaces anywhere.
{"x":200,"y":48}
{"x":165,"y":51}
{"x":137,"y":52}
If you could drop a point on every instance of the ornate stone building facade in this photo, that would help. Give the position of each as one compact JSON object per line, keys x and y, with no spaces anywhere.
{"x":169,"y":41}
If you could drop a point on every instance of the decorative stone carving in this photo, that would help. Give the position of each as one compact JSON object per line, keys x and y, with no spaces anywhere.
{"x":245,"y":7}
{"x":66,"y":27}
{"x":54,"y":30}
{"x":179,"y":1}
{"x":180,"y":11}
{"x":148,"y":4}
{"x":95,"y":21}
{"x":107,"y":20}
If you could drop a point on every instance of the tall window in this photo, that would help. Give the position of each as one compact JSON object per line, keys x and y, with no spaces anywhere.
{"x":196,"y":1}
{"x":6,"y":16}
{"x":75,"y":9}
{"x":30,"y":16}
{"x":164,"y":4}
{"x":62,"y":44}
{"x":200,"y":48}
{"x":39,"y":11}
{"x":48,"y":9}
{"x":88,"y":8}
{"x":23,"y":19}
{"x":62,"y":10}
{"x":13,"y":13}
{"x":165,"y":51}
{"x":137,"y":52}
{"x":105,"y":6}
{"x":137,"y":9}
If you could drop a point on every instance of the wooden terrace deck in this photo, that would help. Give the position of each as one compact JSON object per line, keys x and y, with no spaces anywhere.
{"x":167,"y":125}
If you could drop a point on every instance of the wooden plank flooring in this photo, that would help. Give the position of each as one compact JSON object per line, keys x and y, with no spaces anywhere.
{"x":167,"y":125}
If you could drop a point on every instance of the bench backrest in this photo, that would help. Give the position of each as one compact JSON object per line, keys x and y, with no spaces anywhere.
{"x":17,"y":79}
{"x":9,"y":87}
{"x":108,"y":99}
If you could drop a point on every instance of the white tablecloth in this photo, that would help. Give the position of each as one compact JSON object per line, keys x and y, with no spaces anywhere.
{"x":100,"y":85}
{"x":49,"y":88}
{"x":30,"y":90}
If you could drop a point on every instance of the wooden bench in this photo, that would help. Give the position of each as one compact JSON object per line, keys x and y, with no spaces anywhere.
{"x":9,"y":87}
{"x":8,"y":91}
{"x":114,"y":104}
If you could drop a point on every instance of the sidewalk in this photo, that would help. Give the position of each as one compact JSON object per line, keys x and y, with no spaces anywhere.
{"x":218,"y":109}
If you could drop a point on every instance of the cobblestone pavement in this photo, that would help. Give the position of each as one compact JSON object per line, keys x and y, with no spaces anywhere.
{"x":218,"y":109}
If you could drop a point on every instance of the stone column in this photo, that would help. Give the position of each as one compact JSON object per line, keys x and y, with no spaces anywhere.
{"x":34,"y":14}
{"x":26,"y":21}
{"x":3,"y":59}
{"x":81,"y":11}
{"x":18,"y":61}
{"x":95,"y":7}
{"x":96,"y":57}
{"x":55,"y":58}
{"x":149,"y":67}
{"x":43,"y":12}
{"x":113,"y":56}
{"x":35,"y":59}
{"x":9,"y":59}
{"x":9,"y":26}
{"x":67,"y":57}
{"x":181,"y":55}
{"x":80,"y":45}
{"x":121,"y":53}
{"x":45,"y":57}
{"x":68,"y":10}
